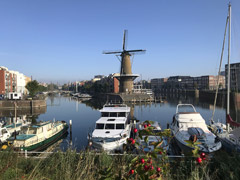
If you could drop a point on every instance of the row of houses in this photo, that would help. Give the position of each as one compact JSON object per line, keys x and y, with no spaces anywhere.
{"x":12,"y":81}
{"x":208,"y":82}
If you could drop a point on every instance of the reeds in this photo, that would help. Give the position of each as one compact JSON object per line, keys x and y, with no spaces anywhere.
{"x":90,"y":166}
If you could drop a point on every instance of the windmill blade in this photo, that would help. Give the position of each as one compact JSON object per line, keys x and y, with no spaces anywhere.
{"x":111,"y":52}
{"x":137,"y":50}
{"x":125,"y":39}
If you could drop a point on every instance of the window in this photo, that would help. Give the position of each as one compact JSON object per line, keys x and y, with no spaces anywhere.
{"x":15,"y":95}
{"x":119,"y":126}
{"x":109,"y":126}
{"x":4,"y":131}
{"x":104,"y":114}
{"x":99,"y":126}
{"x":113,"y":114}
{"x":121,"y":114}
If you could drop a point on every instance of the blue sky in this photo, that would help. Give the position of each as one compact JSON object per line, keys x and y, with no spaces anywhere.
{"x":63,"y":40}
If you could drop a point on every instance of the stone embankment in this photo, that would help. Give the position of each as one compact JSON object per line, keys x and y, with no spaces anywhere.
{"x":22,"y":104}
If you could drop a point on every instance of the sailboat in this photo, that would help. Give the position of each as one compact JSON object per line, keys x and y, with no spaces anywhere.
{"x":230,"y":140}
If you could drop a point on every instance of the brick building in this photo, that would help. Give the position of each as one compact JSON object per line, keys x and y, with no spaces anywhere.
{"x":8,"y":81}
{"x":12,"y":81}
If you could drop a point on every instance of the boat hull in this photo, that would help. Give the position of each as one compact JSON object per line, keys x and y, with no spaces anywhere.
{"x":187,"y":149}
{"x":110,"y":146}
{"x":46,"y":143}
{"x":229,"y":147}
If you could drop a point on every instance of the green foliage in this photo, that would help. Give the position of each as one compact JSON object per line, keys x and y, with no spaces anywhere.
{"x":32,"y":87}
{"x":151,"y":164}
{"x":91,"y":166}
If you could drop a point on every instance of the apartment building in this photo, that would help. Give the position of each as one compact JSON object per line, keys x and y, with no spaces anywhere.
{"x":12,"y":81}
{"x":234,"y":76}
{"x":208,"y":82}
{"x":158,"y":83}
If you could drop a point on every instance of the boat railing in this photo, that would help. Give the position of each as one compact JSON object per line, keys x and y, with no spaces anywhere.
{"x":115,"y":105}
{"x":181,"y":105}
{"x":44,"y":154}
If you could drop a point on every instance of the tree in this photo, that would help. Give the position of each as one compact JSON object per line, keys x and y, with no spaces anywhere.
{"x":32,"y":87}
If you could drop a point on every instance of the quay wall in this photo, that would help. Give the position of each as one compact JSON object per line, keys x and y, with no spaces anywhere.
{"x":22,"y":104}
{"x":205,"y":95}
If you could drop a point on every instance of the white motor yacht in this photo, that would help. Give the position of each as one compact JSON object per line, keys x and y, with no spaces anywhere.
{"x":187,"y":124}
{"x":113,"y":128}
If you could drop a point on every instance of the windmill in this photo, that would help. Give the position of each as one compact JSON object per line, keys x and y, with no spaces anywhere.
{"x":126,"y":77}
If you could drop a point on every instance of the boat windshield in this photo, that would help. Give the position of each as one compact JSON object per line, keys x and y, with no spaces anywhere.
{"x":119,"y":126}
{"x":109,"y":126}
{"x":121,"y":114}
{"x":3,"y":131}
{"x":99,"y":126}
{"x":23,"y":130}
{"x":105,"y":114}
{"x":32,"y":130}
{"x":113,"y":114}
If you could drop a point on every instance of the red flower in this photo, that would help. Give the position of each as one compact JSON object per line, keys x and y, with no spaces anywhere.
{"x":151,"y":167}
{"x":133,"y":141}
{"x":131,"y":171}
{"x":135,"y":130}
{"x":149,"y":125}
{"x":142,"y":161}
{"x":158,"y":169}
{"x":202,"y":155}
{"x":146,"y":167}
{"x":199,"y":160}
{"x":145,"y":126}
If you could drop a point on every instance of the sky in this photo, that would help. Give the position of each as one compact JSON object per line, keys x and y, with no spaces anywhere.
{"x":63,"y":40}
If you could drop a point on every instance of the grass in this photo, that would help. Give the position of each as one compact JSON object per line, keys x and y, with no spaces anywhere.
{"x":91,"y":166}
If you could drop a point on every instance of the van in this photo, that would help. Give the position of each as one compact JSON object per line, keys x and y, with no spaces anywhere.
{"x":14,"y":96}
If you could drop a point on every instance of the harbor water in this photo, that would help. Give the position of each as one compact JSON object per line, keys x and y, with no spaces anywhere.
{"x":85,"y":114}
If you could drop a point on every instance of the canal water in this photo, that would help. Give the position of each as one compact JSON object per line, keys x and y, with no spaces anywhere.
{"x":85,"y":114}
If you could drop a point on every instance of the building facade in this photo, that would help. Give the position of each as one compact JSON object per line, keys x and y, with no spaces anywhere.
{"x":208,"y":82}
{"x":158,"y":83}
{"x":234,"y":76}
{"x":12,"y":81}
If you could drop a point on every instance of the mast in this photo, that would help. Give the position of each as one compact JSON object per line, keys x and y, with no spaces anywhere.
{"x":229,"y":47}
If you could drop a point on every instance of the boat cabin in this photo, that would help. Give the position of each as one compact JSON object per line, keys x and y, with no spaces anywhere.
{"x":114,"y":116}
{"x":111,"y":124}
{"x":36,"y":129}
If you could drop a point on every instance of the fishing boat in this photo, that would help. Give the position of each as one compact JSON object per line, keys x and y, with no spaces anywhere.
{"x":153,"y":138}
{"x":112,"y":128}
{"x":187,"y":124}
{"x":39,"y":136}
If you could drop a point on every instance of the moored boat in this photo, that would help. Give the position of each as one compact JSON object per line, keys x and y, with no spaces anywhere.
{"x":39,"y":136}
{"x":112,"y":128}
{"x":230,"y":138}
{"x":189,"y":124}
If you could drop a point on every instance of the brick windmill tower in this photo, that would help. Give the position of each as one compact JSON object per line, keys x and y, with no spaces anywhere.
{"x":126,"y":76}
